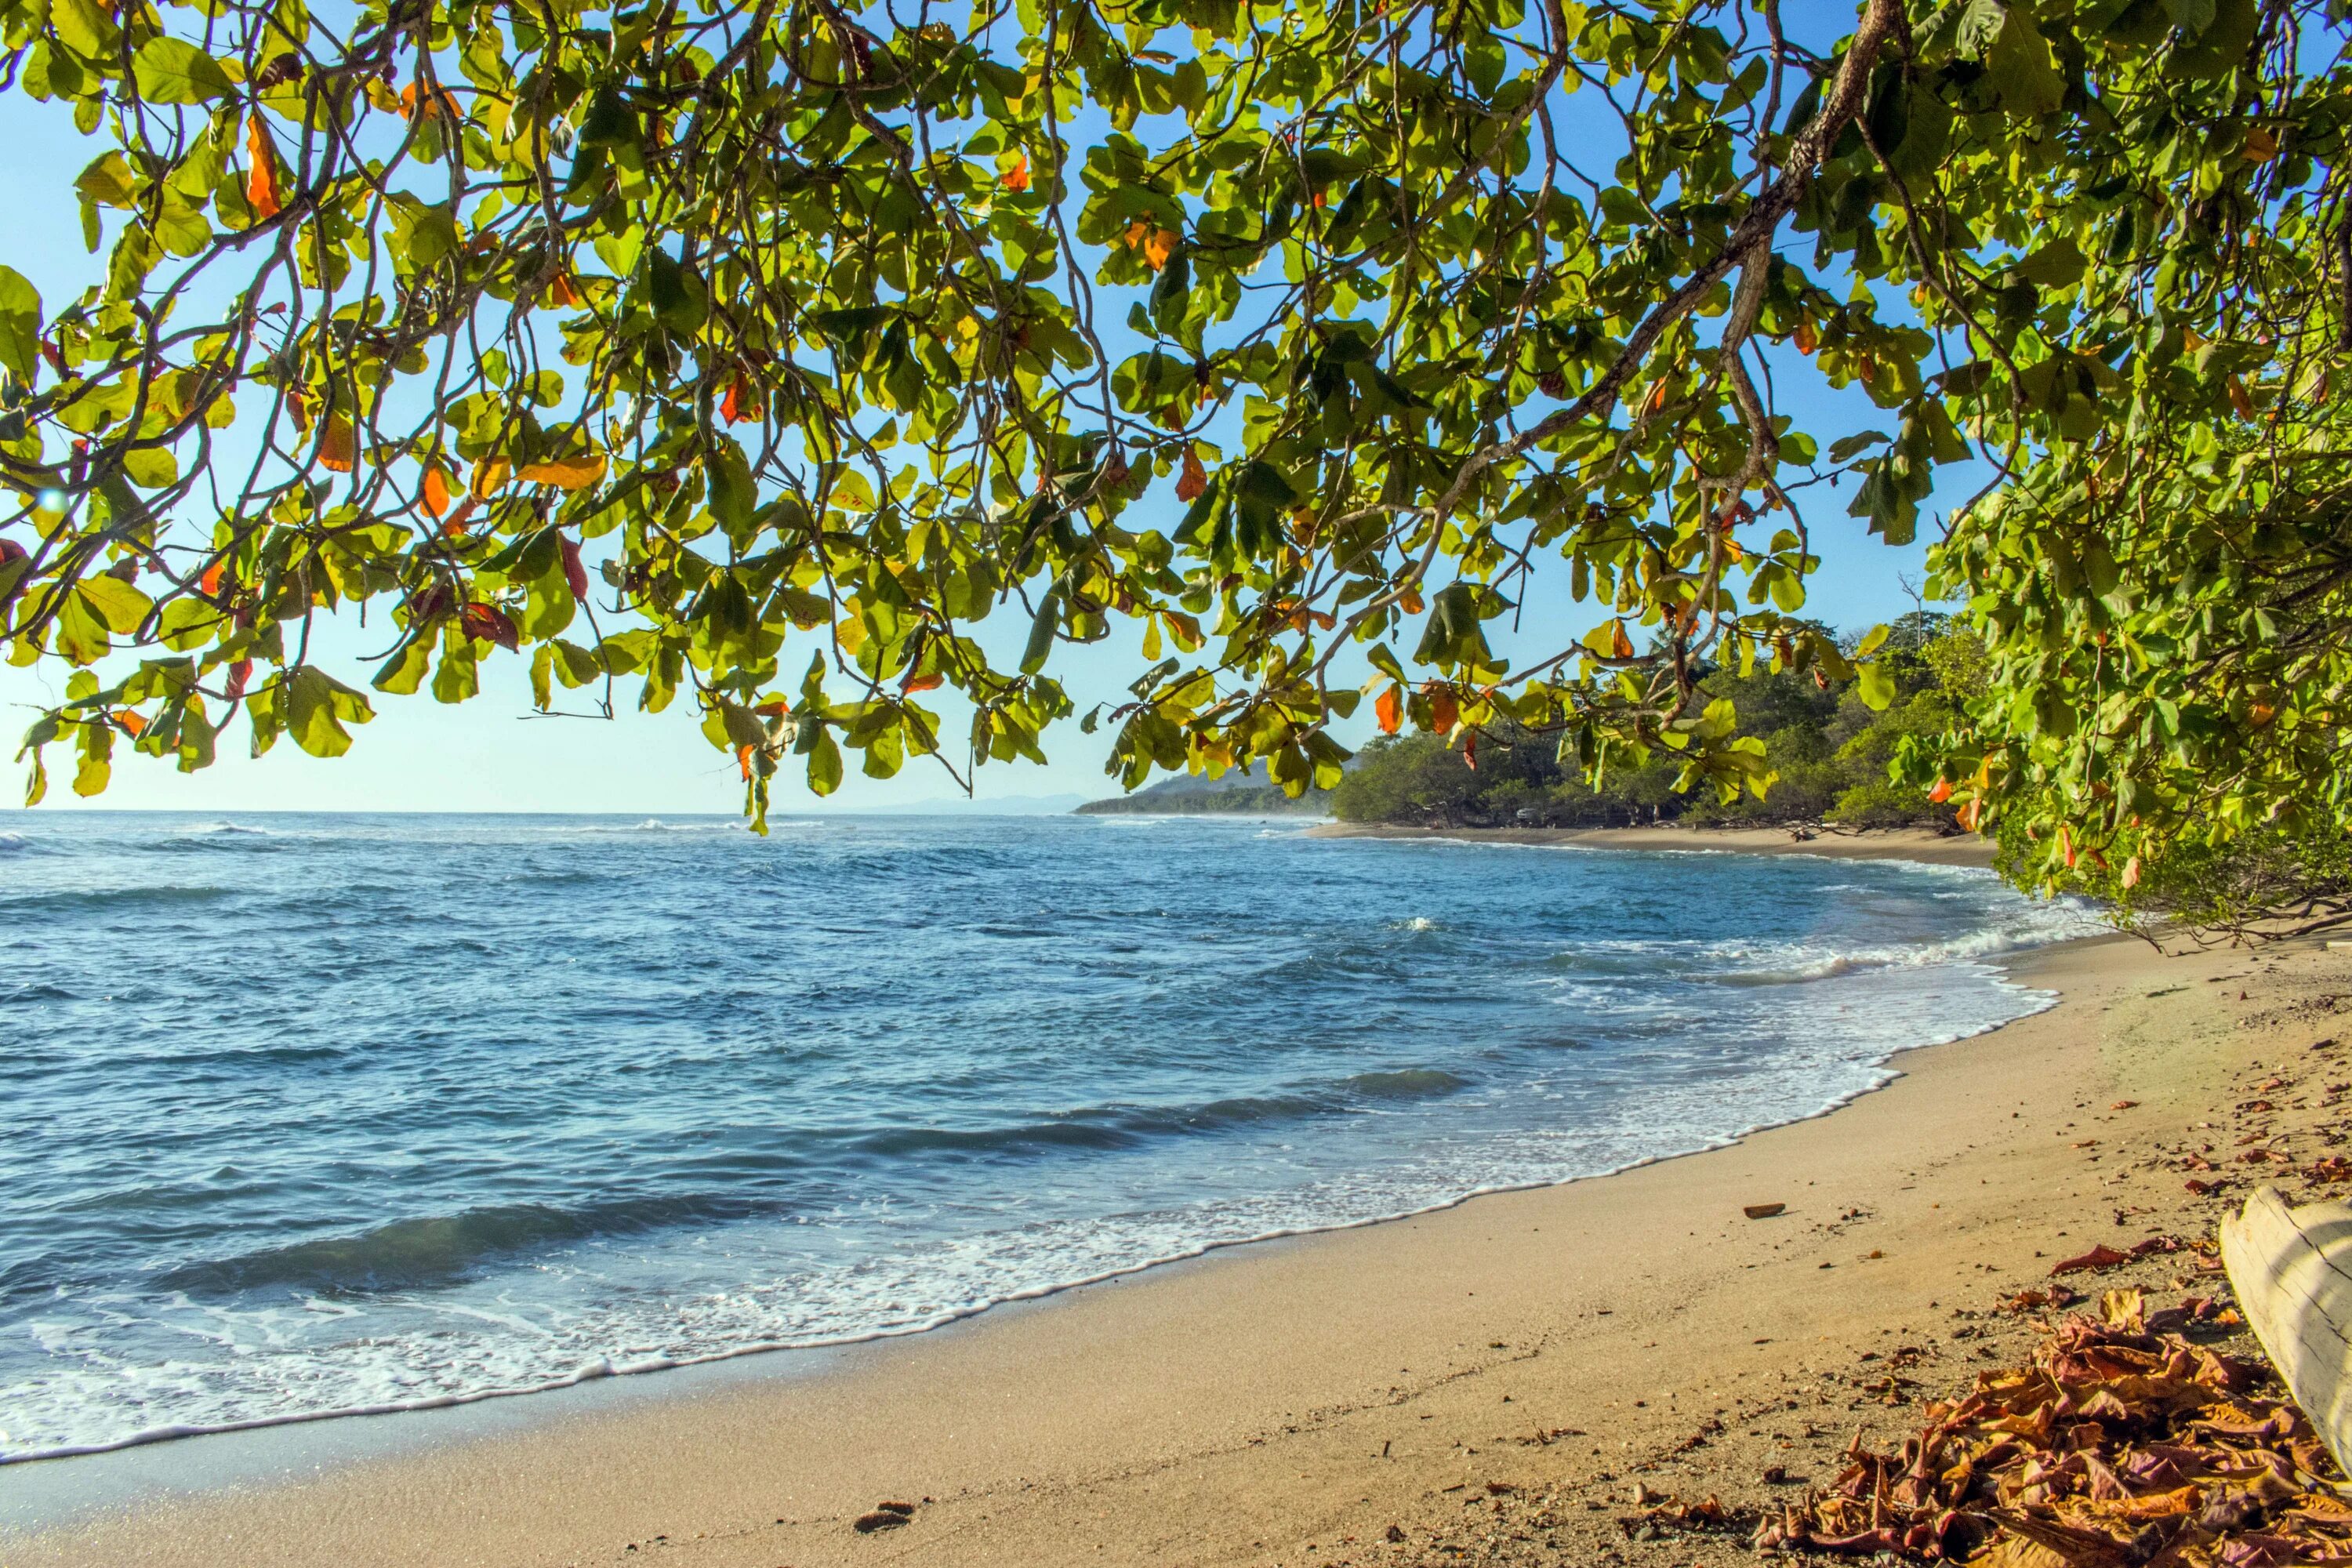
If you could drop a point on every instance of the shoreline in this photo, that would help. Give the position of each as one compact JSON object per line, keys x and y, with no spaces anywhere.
{"x":1919,"y":843}
{"x":1033,"y":1422}
{"x":767,"y":1358}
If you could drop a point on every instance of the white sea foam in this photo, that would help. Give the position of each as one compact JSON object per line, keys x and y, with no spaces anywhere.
{"x":1685,"y":1066}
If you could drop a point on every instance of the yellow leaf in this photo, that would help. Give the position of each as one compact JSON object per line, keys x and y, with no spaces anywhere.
{"x":490,"y":477}
{"x":336,"y":449}
{"x":565,"y":473}
{"x":1160,"y":246}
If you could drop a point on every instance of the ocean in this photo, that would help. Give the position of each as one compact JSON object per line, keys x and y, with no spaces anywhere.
{"x":309,"y":1114}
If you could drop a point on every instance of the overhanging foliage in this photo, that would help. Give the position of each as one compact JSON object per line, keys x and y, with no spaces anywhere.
{"x":826,"y":331}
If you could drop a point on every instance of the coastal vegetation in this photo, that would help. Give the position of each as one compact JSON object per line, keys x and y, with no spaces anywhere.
{"x":759,"y":355}
{"x":1827,"y":750}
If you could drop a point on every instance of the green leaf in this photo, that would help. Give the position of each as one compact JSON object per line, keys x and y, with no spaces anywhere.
{"x":118,"y":606}
{"x":170,"y":70}
{"x":1875,"y":684}
{"x":20,"y":325}
{"x":317,"y":707}
{"x":824,"y":763}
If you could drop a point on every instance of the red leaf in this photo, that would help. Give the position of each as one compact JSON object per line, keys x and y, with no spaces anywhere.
{"x":575,"y":573}
{"x":1941,"y":793}
{"x":1390,"y":710}
{"x":930,"y":682}
{"x":238,"y":674}
{"x":209,"y":584}
{"x":1470,"y":751}
{"x":490,"y":623}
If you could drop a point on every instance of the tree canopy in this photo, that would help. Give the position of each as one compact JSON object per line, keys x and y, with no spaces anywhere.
{"x":1288,"y":341}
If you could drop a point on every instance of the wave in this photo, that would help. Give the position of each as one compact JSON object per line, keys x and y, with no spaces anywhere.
{"x":107,"y":900}
{"x":15,"y":844}
{"x":26,"y":994}
{"x":441,"y":1250}
{"x":599,"y":1367}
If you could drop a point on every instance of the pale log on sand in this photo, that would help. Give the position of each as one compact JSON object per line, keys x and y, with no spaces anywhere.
{"x":2293,"y":1271}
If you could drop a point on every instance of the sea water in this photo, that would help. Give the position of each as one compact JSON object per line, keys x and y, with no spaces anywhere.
{"x":309,"y":1114}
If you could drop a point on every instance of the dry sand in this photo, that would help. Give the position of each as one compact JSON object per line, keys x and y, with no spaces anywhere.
{"x":1873,"y":843}
{"x":1289,"y":1402}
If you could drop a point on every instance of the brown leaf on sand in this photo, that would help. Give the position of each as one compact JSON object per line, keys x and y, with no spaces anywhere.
{"x":2121,"y":1444}
{"x":1764,"y":1211}
{"x":2097,"y":1258}
{"x":885,"y":1516}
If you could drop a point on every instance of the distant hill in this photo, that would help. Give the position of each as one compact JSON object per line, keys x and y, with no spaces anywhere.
{"x":1243,"y":793}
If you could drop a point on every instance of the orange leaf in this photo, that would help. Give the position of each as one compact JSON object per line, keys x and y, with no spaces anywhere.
{"x":1160,"y":246}
{"x":1016,"y":178}
{"x":261,"y":185}
{"x":2239,"y":399}
{"x":930,"y":682}
{"x":209,"y":583}
{"x":1194,"y":479}
{"x":2261,"y":145}
{"x":1808,"y":340}
{"x":1973,"y":814}
{"x":2066,"y":845}
{"x":562,"y":292}
{"x":1470,"y":751}
{"x":336,"y":449}
{"x":1138,"y":232}
{"x":1444,"y":710}
{"x":743,"y":761}
{"x":1657,"y":401}
{"x":435,"y":492}
{"x":1618,"y":641}
{"x":565,"y":473}
{"x":1412,"y":603}
{"x":773,"y":708}
{"x":1941,"y":793}
{"x":740,"y":403}
{"x":131,"y":722}
{"x":456,"y":524}
{"x":1390,"y":710}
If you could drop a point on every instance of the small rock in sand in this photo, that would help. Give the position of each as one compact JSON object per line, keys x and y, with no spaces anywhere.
{"x":1764,"y":1211}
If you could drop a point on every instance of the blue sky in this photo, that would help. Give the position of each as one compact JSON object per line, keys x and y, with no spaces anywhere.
{"x":494,"y":754}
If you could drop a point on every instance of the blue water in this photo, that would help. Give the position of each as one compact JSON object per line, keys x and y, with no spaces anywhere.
{"x":302,"y":1114}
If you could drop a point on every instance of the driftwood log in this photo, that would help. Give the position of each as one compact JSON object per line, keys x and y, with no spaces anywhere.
{"x":2292,"y":1268}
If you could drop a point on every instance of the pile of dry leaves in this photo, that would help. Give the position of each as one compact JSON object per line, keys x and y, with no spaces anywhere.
{"x":2123,"y":1444}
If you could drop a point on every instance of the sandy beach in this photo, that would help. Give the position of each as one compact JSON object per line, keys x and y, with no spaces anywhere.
{"x":1487,"y":1383}
{"x":1873,"y":844}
